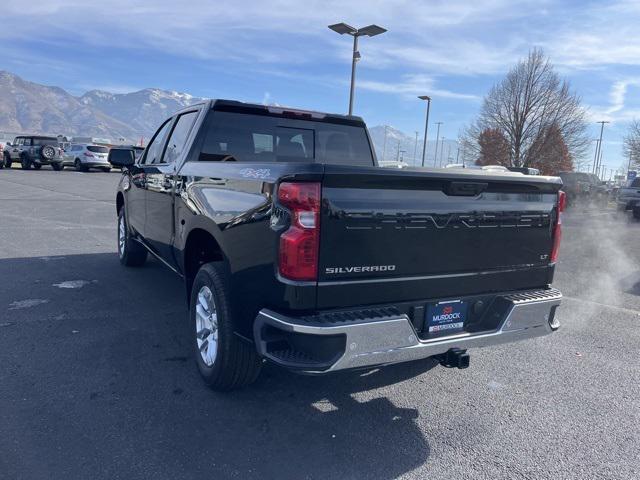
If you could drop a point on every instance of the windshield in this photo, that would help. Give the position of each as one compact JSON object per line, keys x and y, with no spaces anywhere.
{"x":39,"y":141}
{"x":97,"y":149}
{"x":261,"y":138}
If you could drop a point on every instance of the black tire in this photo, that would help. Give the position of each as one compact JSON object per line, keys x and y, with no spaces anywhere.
{"x":7,"y":160}
{"x":236,"y":363}
{"x":37,"y":166}
{"x":106,"y":170}
{"x":636,"y":213}
{"x":57,"y":166}
{"x":130,"y":252}
{"x":79,"y":166}
{"x":25,"y":163}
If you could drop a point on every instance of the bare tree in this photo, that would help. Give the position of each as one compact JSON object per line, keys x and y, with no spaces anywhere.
{"x":631,"y":146}
{"x":524,"y":106}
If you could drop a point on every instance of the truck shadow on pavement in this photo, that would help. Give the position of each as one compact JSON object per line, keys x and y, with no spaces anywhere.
{"x":100,"y":383}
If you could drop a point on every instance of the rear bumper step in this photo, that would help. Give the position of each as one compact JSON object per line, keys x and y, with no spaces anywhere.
{"x":321,"y":348}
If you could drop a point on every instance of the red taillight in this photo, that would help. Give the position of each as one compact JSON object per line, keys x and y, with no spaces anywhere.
{"x":87,"y":154}
{"x":300,"y":243}
{"x":557,"y":228}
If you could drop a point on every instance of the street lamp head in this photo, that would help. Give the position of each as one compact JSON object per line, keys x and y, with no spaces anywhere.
{"x":371,"y":30}
{"x":343,"y":28}
{"x":424,"y":97}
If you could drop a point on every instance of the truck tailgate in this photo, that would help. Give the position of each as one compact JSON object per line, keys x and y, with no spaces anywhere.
{"x":411,"y":234}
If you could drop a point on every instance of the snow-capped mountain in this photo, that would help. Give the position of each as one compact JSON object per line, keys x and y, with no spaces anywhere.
{"x":143,"y":110}
{"x":28,"y":107}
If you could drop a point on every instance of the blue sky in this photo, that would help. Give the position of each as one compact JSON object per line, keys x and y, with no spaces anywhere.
{"x":282,"y":51}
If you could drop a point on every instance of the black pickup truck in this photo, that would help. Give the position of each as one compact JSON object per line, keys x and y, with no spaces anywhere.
{"x":296,"y":248}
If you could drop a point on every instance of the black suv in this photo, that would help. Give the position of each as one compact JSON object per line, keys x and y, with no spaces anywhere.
{"x":34,"y":151}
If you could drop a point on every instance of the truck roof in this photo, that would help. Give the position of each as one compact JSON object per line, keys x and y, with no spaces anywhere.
{"x":278,"y":110}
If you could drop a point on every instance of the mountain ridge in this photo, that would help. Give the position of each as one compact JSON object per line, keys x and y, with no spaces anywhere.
{"x":29,"y":107}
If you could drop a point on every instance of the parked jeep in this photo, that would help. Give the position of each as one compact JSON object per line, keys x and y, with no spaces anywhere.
{"x":34,"y":151}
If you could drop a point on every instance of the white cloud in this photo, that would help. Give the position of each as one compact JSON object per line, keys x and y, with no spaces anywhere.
{"x":599,"y":35}
{"x":429,"y":38}
{"x":437,"y":34}
{"x":413,"y":85}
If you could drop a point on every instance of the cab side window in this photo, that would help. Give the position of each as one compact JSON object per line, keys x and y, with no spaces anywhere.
{"x":178,"y":138}
{"x":153,"y":153}
{"x":27,"y":142}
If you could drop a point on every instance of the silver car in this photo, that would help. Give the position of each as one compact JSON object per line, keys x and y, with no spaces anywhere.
{"x":84,"y":156}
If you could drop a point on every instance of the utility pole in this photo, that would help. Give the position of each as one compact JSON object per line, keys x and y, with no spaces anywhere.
{"x":596,"y":160}
{"x":426,"y":128}
{"x":435,"y":156}
{"x":595,"y":155}
{"x":398,"y":152}
{"x":441,"y":152}
{"x":415,"y":149}
{"x":600,"y":159}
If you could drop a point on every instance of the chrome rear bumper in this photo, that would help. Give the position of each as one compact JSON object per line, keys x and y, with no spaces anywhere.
{"x":371,"y":342}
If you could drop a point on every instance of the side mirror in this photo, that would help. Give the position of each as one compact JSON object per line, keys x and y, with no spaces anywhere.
{"x":121,"y":157}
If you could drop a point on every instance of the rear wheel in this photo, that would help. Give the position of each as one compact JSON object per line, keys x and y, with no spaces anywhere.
{"x":130,"y":252}
{"x":79,"y":166}
{"x":57,"y":166}
{"x":25,"y":163}
{"x":225,"y":361}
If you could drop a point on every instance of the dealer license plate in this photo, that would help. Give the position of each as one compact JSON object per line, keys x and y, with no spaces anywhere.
{"x":446,"y":317}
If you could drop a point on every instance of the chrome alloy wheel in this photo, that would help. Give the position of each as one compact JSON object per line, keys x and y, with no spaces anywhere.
{"x":207,"y":326}
{"x":122,"y":236}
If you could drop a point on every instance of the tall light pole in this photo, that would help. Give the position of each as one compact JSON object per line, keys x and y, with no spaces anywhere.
{"x":426,"y":126}
{"x":596,"y":159}
{"x":435,"y":156}
{"x":369,"y":31}
{"x":415,"y":149}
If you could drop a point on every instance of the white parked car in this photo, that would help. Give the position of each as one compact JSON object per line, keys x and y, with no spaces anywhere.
{"x":84,"y":156}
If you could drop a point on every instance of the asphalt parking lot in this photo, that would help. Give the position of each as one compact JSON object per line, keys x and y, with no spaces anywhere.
{"x":96,"y":379}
